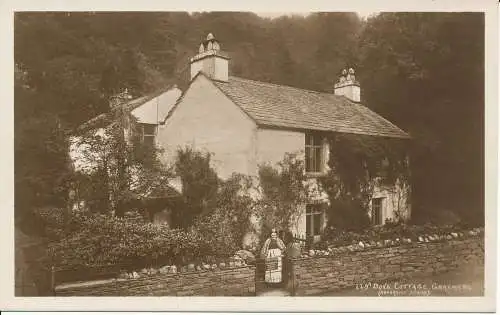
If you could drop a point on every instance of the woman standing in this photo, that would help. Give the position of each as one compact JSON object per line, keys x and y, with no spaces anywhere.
{"x":272,"y":252}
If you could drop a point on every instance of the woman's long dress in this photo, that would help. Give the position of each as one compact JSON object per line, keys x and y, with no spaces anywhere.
{"x":273,"y":263}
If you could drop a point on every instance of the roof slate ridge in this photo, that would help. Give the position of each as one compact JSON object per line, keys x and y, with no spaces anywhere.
{"x":283,"y":86}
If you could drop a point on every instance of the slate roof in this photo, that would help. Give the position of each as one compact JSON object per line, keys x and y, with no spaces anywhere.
{"x":275,"y":105}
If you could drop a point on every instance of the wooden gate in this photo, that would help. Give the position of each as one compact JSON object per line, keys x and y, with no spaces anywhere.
{"x":286,"y":287}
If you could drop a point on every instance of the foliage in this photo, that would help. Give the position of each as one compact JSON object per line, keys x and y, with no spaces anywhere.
{"x":115,"y":166}
{"x":389,"y":231}
{"x":283,"y":188}
{"x":357,"y":164}
{"x":199,"y":185}
{"x":98,"y":239}
{"x":53,"y":222}
{"x":425,"y":72}
{"x":226,"y":225}
{"x":42,"y":173}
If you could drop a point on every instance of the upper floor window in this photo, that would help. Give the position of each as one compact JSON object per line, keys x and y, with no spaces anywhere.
{"x":314,"y":153}
{"x":148,"y":134}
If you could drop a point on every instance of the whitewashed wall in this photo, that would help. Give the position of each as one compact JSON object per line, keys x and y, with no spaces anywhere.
{"x":207,"y":120}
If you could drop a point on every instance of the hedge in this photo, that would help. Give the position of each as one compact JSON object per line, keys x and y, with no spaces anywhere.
{"x":88,"y":240}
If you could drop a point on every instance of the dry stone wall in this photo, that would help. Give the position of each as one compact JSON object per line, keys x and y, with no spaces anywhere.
{"x":228,"y":282}
{"x":313,"y":275}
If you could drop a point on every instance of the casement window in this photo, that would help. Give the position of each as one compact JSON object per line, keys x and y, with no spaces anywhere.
{"x":377,"y":204}
{"x":314,"y":153}
{"x":314,"y":219}
{"x":148,"y":134}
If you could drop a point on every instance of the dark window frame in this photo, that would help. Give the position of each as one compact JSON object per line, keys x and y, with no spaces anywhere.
{"x":151,"y":134}
{"x":314,"y":161}
{"x":314,"y":219}
{"x":377,"y":210}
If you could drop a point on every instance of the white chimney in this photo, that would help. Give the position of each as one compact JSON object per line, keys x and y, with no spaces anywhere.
{"x":348,"y":86}
{"x":211,"y":60}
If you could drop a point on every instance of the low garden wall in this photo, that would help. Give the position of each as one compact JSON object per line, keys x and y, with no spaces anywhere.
{"x":314,"y":272}
{"x":330,"y":271}
{"x":238,"y":281}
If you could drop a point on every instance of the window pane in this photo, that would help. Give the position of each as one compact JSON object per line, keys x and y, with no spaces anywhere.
{"x":308,"y":224}
{"x":149,"y":129}
{"x":149,"y":140}
{"x":317,"y":140}
{"x":317,"y":160}
{"x":317,"y":223}
{"x":377,"y":211}
{"x":308,"y":159}
{"x":313,"y":150}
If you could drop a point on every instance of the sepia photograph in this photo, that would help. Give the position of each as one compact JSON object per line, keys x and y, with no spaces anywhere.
{"x":250,"y":154}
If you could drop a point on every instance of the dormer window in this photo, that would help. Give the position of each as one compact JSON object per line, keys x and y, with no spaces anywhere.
{"x":148,"y":134}
{"x":314,"y":153}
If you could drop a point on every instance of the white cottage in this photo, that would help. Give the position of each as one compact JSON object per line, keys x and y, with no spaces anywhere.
{"x":245,"y":123}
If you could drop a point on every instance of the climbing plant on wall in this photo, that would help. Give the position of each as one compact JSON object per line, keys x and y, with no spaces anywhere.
{"x":358,"y":164}
{"x":283,"y":189}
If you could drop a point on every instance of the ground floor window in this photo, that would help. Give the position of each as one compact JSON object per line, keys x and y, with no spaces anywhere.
{"x":314,"y":219}
{"x":377,"y":204}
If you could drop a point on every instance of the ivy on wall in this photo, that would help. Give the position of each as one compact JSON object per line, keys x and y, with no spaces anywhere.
{"x":357,"y":164}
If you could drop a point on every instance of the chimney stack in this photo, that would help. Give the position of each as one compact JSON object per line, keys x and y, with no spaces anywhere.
{"x":120,"y":98}
{"x":211,"y":60}
{"x":348,"y":86}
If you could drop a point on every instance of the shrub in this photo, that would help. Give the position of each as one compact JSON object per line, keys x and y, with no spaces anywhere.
{"x":56,"y":223}
{"x":390,"y":231}
{"x":347,"y":214}
{"x":103,"y":240}
{"x":199,"y":185}
{"x":225,"y":227}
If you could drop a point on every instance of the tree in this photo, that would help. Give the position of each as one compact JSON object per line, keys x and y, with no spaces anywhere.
{"x":199,"y":185}
{"x":41,"y":165}
{"x":122,"y":168}
{"x":425,"y":72}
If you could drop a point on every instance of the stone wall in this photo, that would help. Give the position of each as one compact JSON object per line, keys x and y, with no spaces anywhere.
{"x":310,"y":275}
{"x":228,"y":282}
{"x":314,"y":275}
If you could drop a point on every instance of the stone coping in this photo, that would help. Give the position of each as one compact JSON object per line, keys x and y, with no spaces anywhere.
{"x":332,"y":251}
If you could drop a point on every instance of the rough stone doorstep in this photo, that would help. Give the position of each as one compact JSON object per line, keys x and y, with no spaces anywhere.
{"x":79,"y":284}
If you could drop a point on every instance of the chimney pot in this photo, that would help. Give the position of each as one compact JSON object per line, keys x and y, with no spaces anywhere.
{"x":210,"y":60}
{"x":348,"y":86}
